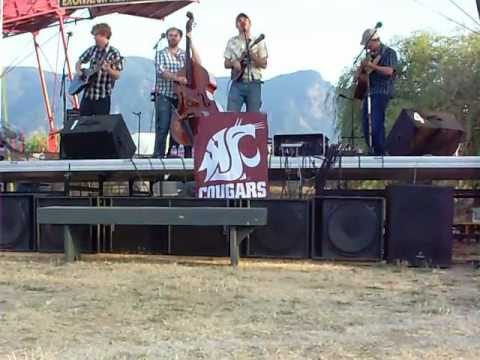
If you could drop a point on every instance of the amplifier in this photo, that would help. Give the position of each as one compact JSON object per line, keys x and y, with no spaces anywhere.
{"x":96,"y":137}
{"x":300,"y":144}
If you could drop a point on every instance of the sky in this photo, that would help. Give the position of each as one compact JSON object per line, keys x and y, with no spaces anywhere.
{"x":301,"y":35}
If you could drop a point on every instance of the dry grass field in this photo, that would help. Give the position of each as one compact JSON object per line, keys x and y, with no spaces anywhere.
{"x":155,"y":308}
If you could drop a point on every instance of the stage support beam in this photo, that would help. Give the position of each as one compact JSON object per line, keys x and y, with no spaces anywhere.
{"x":52,"y":131}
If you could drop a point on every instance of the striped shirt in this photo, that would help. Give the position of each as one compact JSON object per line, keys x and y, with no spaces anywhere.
{"x":166,"y":61}
{"x":103,"y":83}
{"x":381,"y":84}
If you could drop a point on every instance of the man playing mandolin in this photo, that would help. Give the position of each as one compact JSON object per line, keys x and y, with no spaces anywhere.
{"x":169,"y":62}
{"x":108,"y":61}
{"x":247,"y":65}
{"x":381,"y":66}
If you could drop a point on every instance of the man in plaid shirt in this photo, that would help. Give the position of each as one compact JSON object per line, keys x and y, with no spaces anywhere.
{"x":248,"y":90}
{"x":97,"y":96}
{"x":168,"y":63}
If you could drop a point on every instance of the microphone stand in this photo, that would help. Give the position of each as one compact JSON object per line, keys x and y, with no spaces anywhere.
{"x":154,"y":95}
{"x":369,"y":94}
{"x":249,"y":60}
{"x":352,"y":137}
{"x":63,"y":85}
{"x":139,"y":116}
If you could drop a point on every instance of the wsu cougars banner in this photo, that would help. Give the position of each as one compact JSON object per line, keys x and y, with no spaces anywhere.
{"x":231,"y":156}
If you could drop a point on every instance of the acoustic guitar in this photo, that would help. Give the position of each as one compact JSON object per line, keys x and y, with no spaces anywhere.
{"x":363,"y":78}
{"x":79,"y":83}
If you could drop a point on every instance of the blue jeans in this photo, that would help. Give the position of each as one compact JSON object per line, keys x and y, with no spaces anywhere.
{"x":163,"y":115}
{"x":248,"y":93}
{"x":379,"y":107}
{"x":89,"y":107}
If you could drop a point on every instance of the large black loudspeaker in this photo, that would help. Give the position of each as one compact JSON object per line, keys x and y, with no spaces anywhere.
{"x":348,"y":228}
{"x":142,"y":239}
{"x":419,"y":225}
{"x":300,"y":144}
{"x":199,"y":240}
{"x":50,"y":238}
{"x":16,"y":223}
{"x":416,"y":133}
{"x":96,"y":137}
{"x":287,"y":233}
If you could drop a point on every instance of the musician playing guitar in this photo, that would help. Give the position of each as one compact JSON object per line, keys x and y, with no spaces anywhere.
{"x":97,"y":95}
{"x":247,"y":65}
{"x":381,"y":69}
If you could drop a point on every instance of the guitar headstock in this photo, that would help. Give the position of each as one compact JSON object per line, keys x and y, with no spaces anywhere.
{"x":190,"y":22}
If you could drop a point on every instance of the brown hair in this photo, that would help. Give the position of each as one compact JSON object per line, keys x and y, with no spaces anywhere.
{"x":102,"y":29}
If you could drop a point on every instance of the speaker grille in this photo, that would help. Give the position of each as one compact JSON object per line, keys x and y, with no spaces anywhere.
{"x":199,"y":240}
{"x":419,"y":225}
{"x":287,"y":233}
{"x":140,"y":239}
{"x":16,"y":223}
{"x":348,"y":228}
{"x":50,"y":238}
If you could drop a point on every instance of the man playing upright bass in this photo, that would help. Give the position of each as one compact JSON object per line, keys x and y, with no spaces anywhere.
{"x":169,"y":62}
{"x":247,"y":64}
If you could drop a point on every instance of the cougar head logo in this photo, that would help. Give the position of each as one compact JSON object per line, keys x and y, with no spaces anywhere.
{"x":223,"y":160}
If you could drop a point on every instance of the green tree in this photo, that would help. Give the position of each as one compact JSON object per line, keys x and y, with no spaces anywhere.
{"x":36,"y":143}
{"x":436,"y":73}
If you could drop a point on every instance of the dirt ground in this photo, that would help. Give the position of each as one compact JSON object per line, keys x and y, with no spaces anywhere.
{"x":154,"y":308}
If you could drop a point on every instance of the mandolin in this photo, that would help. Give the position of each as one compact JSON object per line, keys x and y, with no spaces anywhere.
{"x":237,"y":75}
{"x":195,"y":99}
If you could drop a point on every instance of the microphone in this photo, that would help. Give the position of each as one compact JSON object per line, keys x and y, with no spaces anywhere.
{"x":163,"y":36}
{"x":379,"y":25}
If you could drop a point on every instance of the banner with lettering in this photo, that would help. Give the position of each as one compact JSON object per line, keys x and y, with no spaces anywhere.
{"x":231,"y":156}
{"x":94,"y":3}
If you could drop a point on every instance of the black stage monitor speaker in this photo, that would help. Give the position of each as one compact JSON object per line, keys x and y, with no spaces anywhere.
{"x":198,"y":240}
{"x":16,"y":223}
{"x":419,"y":225}
{"x":50,"y":238}
{"x":287,"y":233}
{"x":300,"y":145}
{"x":348,"y":228}
{"x":416,"y":133}
{"x":140,"y":239}
{"x":96,"y":137}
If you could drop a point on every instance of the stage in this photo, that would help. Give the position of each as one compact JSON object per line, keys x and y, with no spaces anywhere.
{"x":345,"y":168}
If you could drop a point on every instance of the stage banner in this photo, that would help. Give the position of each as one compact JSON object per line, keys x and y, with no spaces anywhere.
{"x":231,"y":156}
{"x":94,"y":3}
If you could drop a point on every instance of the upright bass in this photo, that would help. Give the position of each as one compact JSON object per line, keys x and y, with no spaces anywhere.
{"x":195,"y":99}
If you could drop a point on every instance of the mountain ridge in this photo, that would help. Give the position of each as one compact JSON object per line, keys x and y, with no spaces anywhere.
{"x":299,"y":102}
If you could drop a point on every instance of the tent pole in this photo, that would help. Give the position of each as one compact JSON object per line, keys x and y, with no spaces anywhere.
{"x":73,"y":99}
{"x":52,"y":131}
